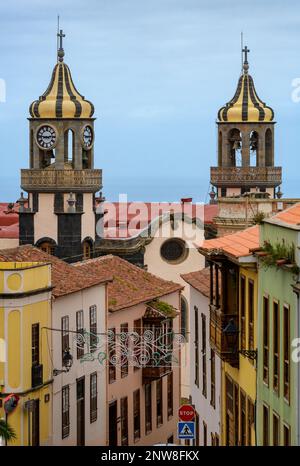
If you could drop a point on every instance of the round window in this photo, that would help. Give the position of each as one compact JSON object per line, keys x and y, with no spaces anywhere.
{"x":174,"y":250}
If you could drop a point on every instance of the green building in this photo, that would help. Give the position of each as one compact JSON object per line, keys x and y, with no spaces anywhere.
{"x":278,"y":325}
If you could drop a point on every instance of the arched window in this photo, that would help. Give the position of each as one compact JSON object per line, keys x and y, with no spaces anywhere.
{"x":235,"y":147}
{"x":87,"y":249}
{"x":184,"y":317}
{"x":69,"y":143}
{"x":269,"y":148}
{"x":47,"y":247}
{"x":254,"y":142}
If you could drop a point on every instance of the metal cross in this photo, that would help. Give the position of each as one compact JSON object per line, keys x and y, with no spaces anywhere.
{"x":60,"y":34}
{"x":246,"y":51}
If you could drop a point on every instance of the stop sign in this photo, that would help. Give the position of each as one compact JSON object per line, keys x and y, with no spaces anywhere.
{"x":186,"y":413}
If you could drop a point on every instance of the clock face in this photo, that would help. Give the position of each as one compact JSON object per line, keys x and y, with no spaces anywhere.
{"x":46,"y":137}
{"x":87,"y":137}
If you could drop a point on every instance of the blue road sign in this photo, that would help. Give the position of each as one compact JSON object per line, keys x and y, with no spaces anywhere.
{"x":186,"y":430}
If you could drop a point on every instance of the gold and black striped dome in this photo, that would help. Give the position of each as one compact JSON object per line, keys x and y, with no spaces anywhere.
{"x":61,"y":99}
{"x":245,"y":106}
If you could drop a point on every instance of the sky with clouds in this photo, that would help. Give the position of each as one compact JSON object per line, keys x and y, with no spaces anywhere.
{"x":157,"y":72}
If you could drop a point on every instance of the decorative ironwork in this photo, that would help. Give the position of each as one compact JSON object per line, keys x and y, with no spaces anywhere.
{"x":64,"y":180}
{"x":148,"y":349}
{"x":252,"y":176}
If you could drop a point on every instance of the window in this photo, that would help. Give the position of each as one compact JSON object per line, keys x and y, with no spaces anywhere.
{"x":276,"y":439}
{"x":286,"y":350}
{"x":204,"y":434}
{"x":266,"y":339}
{"x":47,"y":247}
{"x":243,"y":312}
{"x":35,"y":344}
{"x":87,"y":250}
{"x":212,"y":378}
{"x":93,"y":328}
{"x":148,"y":408}
{"x":124,"y":421}
{"x":276,"y":342}
{"x":79,"y":329}
{"x":174,"y":250}
{"x":93,"y":397}
{"x":137,"y":326}
{"x":170,"y":394}
{"x":212,"y":439}
{"x":251,"y":314}
{"x":159,"y":402}
{"x":204,"y":381}
{"x":111,"y":355}
{"x":170,"y":439}
{"x":265,"y":426}
{"x":286,"y":435}
{"x":65,"y":345}
{"x":196,"y":346}
{"x":124,"y":354}
{"x":184,"y":317}
{"x":217,"y":440}
{"x":65,"y":417}
{"x":243,"y":418}
{"x":136,"y":415}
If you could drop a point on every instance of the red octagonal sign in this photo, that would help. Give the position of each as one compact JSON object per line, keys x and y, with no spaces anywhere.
{"x":186,"y":413}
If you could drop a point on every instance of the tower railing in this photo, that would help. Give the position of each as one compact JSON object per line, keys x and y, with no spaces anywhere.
{"x":252,"y":176}
{"x":63,"y":180}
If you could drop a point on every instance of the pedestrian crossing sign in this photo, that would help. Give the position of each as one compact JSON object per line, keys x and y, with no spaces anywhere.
{"x":186,"y":430}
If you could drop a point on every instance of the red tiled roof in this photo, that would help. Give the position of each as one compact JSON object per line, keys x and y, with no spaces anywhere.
{"x":290,"y":216}
{"x":238,"y":244}
{"x":199,"y":280}
{"x":131,"y":285}
{"x":65,"y":278}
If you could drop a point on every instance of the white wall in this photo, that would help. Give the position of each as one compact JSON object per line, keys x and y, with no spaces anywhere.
{"x":95,"y":433}
{"x":207,"y":413}
{"x":193,"y":235}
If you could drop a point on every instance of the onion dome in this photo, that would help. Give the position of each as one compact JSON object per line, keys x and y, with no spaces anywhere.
{"x":61,"y":99}
{"x":245,"y":106}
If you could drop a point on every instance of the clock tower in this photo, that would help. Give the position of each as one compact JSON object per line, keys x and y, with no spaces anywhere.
{"x":60,"y":214}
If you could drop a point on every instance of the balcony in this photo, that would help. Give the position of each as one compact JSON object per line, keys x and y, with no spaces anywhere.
{"x":61,"y":180}
{"x":250,"y":176}
{"x":37,"y":375}
{"x":218,"y":321}
{"x":151,"y":373}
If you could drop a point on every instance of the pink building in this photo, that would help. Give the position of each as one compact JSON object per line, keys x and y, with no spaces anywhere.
{"x":143,"y":353}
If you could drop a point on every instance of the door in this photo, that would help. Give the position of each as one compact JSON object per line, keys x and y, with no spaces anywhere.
{"x":80,"y":411}
{"x":113,"y":430}
{"x":35,"y":431}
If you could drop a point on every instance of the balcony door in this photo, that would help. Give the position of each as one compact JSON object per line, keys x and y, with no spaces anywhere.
{"x":113,"y":429}
{"x":35,"y":430}
{"x":80,"y":390}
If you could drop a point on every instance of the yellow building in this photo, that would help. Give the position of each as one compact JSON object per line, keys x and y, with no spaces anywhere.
{"x":25,"y":352}
{"x":233,"y":330}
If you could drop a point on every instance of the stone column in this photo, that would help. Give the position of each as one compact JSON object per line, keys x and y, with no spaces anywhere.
{"x":245,"y":148}
{"x":60,"y":151}
{"x":78,"y":150}
{"x":261,"y":156}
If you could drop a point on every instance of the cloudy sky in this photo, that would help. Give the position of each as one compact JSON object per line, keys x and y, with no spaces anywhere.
{"x":157,"y":72}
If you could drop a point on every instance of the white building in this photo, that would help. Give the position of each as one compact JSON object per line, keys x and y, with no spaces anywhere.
{"x":205,"y":365}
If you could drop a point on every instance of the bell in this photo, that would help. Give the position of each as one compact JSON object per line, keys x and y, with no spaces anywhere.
{"x":236,"y":145}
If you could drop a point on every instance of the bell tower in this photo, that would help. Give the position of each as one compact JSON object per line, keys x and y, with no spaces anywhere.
{"x":245,"y":143}
{"x":61,"y":182}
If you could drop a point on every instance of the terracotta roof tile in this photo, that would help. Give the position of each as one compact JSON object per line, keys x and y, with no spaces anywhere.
{"x":131,"y":285}
{"x":65,"y":278}
{"x":199,"y":280}
{"x":290,"y":216}
{"x":238,"y":244}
